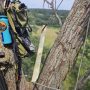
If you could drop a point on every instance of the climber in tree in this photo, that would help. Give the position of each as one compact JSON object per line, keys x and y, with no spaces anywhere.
{"x":18,"y":13}
{"x":20,"y":19}
{"x":21,"y":24}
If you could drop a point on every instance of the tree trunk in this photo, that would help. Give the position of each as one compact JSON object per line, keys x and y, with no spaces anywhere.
{"x":24,"y":85}
{"x":66,"y":47}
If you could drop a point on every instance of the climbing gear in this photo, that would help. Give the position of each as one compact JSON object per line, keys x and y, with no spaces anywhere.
{"x":30,"y":47}
{"x":24,"y":45}
{"x":4,"y":25}
{"x":5,"y":36}
{"x":18,"y":68}
{"x":19,"y":14}
{"x":21,"y":43}
{"x":21,"y":48}
{"x":23,"y":34}
{"x":39,"y":55}
{"x":21,"y":18}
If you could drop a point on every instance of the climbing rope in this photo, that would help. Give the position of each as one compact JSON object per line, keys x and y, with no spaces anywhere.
{"x":82,"y":54}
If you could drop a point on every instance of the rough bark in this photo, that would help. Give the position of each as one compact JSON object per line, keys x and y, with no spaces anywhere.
{"x":83,"y":80}
{"x":66,"y":47}
{"x":9,"y":73}
{"x":10,"y":79}
{"x":7,"y":77}
{"x":24,"y":85}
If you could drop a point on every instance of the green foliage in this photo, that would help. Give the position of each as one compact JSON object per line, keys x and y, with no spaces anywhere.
{"x":87,"y":86}
{"x":70,"y":82}
{"x":46,"y":16}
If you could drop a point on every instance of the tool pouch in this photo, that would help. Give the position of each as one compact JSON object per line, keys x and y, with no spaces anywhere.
{"x":4,"y":29}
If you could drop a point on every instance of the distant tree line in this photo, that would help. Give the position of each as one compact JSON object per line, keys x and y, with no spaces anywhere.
{"x":46,"y":16}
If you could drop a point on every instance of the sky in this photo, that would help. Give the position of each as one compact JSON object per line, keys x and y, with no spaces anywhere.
{"x":66,"y":5}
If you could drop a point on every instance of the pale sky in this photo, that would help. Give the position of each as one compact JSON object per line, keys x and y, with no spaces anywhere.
{"x":66,"y":5}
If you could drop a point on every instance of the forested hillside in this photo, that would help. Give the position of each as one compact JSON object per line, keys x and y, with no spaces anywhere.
{"x":46,"y":16}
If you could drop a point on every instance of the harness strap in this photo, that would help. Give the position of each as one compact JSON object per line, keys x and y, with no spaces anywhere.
{"x":18,"y":62}
{"x":11,"y":22}
{"x":14,"y":30}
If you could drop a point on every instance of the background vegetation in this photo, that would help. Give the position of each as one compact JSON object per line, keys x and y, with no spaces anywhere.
{"x":46,"y":16}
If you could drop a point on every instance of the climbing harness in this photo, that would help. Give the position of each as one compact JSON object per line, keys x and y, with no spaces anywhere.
{"x":6,"y":36}
{"x":12,"y":20}
{"x":81,"y":61}
{"x":16,"y":51}
{"x":21,"y":25}
{"x":22,"y":46}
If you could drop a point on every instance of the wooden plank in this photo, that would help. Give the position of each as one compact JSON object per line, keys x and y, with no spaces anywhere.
{"x":39,"y":56}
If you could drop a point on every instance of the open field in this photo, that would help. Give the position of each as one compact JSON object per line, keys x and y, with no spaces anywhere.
{"x":50,"y":37}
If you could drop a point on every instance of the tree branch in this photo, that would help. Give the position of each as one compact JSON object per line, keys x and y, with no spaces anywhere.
{"x":53,"y":7}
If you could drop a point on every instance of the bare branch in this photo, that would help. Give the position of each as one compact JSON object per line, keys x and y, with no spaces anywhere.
{"x":47,"y":2}
{"x":43,"y":3}
{"x":59,"y":4}
{"x":53,"y":7}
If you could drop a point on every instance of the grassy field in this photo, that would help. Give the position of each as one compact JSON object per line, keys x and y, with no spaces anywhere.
{"x":50,"y":37}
